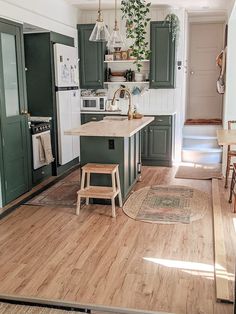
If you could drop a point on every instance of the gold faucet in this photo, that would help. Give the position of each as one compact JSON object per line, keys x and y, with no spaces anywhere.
{"x":130,"y":113}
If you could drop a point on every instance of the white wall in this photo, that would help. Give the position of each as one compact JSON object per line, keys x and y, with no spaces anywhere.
{"x":53,"y":15}
{"x":159,"y":101}
{"x":230,"y":93}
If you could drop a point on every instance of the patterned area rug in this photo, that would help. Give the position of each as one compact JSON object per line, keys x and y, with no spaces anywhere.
{"x":167,"y":204}
{"x":199,"y":172}
{"x":62,"y":194}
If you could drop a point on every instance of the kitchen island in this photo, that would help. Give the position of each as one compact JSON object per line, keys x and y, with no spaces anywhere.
{"x":114,"y":140}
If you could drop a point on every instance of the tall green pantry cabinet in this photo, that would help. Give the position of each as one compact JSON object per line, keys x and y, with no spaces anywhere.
{"x":15,"y":153}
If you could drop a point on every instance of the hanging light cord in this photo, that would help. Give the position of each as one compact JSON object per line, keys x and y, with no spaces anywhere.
{"x":116,"y":23}
{"x":99,"y":12}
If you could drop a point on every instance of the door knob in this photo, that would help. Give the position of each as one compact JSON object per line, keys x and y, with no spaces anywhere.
{"x":192,"y":72}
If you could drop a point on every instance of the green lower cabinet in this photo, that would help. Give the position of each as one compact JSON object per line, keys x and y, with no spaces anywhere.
{"x":144,"y":142}
{"x":118,"y":150}
{"x":157,"y":142}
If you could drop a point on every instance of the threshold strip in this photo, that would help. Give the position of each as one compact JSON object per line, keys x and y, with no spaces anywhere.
{"x":73,"y":305}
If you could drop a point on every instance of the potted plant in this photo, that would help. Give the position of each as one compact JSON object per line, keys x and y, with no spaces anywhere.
{"x":136,"y":14}
{"x":174,"y":25}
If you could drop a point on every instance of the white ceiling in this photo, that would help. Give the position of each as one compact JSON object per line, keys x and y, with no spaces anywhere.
{"x":203,"y":5}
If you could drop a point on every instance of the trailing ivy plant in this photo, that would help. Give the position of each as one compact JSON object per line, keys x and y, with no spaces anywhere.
{"x":174,"y":25}
{"x":136,"y":14}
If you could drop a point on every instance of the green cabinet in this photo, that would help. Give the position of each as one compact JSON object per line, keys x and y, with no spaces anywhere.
{"x":157,"y":142}
{"x":91,"y":55}
{"x":41,"y":92}
{"x":90,"y":117}
{"x":15,"y":154}
{"x":144,"y":142}
{"x":162,"y":62}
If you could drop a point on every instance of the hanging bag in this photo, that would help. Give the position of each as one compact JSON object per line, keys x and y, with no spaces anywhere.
{"x":220,"y":84}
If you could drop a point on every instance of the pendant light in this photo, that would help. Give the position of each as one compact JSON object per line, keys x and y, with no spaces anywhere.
{"x":100,"y":32}
{"x":116,"y":40}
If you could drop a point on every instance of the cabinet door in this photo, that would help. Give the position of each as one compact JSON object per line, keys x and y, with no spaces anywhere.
{"x":144,"y":142}
{"x":91,"y":56}
{"x":162,"y":65}
{"x":15,"y":160}
{"x":159,"y":144}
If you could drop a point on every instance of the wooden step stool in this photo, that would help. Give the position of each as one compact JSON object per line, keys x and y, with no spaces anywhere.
{"x":103,"y":192}
{"x":232,"y":188}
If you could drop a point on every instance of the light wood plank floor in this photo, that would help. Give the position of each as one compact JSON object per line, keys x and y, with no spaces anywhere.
{"x":48,"y":252}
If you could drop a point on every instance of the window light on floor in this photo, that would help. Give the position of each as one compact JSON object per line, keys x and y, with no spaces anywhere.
{"x":192,"y":268}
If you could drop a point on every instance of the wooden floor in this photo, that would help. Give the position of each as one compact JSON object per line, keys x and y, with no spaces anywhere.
{"x":48,"y":252}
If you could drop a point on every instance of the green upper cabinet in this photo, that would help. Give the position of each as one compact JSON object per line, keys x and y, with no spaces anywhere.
{"x":91,"y":56}
{"x":162,"y":63}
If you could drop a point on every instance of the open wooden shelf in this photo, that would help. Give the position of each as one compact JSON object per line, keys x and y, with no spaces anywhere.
{"x":125,"y":61}
{"x":125,"y":83}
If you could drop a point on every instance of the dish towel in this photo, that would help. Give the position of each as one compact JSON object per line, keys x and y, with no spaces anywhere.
{"x":45,"y":148}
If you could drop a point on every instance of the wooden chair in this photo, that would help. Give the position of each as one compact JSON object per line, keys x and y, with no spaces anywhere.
{"x":230,"y":154}
{"x":232,"y":188}
{"x":103,"y":192}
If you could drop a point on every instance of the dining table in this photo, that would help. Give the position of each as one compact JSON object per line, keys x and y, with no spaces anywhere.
{"x":226,"y":137}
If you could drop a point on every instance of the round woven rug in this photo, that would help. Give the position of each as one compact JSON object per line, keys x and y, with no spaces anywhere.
{"x":167,"y":204}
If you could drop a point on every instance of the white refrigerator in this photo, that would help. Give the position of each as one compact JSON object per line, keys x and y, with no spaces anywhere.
{"x":68,"y":101}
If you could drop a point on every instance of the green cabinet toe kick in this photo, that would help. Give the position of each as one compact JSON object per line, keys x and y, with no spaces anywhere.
{"x":118,"y":150}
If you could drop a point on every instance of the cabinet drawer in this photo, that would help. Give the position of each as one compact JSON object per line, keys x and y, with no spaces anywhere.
{"x":162,"y":120}
{"x":41,"y":174}
{"x":87,"y":117}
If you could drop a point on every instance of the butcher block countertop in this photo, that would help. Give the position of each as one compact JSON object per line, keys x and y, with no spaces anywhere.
{"x":111,"y":127}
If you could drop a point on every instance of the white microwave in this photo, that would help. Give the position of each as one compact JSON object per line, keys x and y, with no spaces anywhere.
{"x":93,"y":103}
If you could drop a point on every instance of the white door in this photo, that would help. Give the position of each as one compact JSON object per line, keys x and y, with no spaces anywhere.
{"x":206,"y":42}
{"x":68,"y":117}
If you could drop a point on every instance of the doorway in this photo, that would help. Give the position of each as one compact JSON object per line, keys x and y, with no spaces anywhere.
{"x":205,"y":43}
{"x":14,"y":132}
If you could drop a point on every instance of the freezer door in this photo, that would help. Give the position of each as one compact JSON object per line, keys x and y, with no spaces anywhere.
{"x":66,"y":66}
{"x":68,"y":117}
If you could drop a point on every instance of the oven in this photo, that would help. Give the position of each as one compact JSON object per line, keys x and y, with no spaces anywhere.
{"x":37,"y":129}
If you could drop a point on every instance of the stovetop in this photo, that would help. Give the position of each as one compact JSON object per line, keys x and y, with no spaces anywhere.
{"x":39,"y":127}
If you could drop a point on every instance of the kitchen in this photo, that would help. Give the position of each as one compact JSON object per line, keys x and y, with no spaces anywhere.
{"x":86,"y":120}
